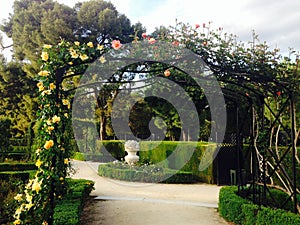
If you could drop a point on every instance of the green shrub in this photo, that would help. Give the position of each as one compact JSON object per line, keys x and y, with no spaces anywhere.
{"x":250,"y":212}
{"x":68,"y":210}
{"x":17,"y":166}
{"x":275,"y":199}
{"x":9,"y":188}
{"x":145,"y":173}
{"x":5,"y":134}
{"x":78,"y":156}
{"x":236,"y":209}
{"x":184,"y":156}
{"x":21,"y":175}
{"x":267,"y":216}
{"x":230,"y":205}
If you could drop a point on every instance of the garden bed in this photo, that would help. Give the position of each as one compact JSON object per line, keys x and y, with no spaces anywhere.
{"x":145,"y":173}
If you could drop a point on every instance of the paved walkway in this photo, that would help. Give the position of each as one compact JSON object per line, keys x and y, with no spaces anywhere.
{"x":119,"y":202}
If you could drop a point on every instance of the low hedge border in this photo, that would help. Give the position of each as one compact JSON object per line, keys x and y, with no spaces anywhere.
{"x":91,"y":157}
{"x":238,"y":210}
{"x":68,"y":210}
{"x":22,"y":175}
{"x":17,"y":166}
{"x":162,"y":175}
{"x":14,"y":155}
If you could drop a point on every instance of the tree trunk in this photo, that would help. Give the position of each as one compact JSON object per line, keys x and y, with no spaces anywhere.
{"x":103,"y":123}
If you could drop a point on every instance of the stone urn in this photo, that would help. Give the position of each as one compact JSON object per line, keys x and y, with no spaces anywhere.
{"x":132,"y":147}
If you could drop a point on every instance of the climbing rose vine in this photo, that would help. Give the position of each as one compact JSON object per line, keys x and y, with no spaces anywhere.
{"x":60,"y":62}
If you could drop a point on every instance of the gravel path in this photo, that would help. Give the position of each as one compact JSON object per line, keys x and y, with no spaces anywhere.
{"x":119,"y":202}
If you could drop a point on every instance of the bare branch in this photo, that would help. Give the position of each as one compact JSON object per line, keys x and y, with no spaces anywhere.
{"x":2,"y":47}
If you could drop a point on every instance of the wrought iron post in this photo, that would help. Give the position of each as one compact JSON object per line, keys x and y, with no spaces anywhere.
{"x":293,"y":137}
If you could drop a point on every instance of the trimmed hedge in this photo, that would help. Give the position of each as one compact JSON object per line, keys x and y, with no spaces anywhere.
{"x":17,"y":166}
{"x":68,"y":211}
{"x":16,"y":156}
{"x":163,"y":175}
{"x":19,"y":175}
{"x":236,"y":209}
{"x":230,"y":205}
{"x":267,"y":216}
{"x":187,"y":155}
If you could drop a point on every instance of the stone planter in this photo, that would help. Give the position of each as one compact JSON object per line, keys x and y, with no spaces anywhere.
{"x":132,"y":147}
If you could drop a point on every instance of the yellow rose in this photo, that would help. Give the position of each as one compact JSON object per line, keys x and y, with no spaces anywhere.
{"x":44,"y":73}
{"x":90,"y":44}
{"x":36,"y":186}
{"x":83,"y":57}
{"x":51,"y":128}
{"x":28,"y":197}
{"x":102,"y":59}
{"x":49,"y":122}
{"x":55,"y":119}
{"x":38,"y":163}
{"x":66,"y":161}
{"x":18,"y":197}
{"x":77,"y":43}
{"x":28,"y":206}
{"x":49,"y":144}
{"x":74,"y":55}
{"x":100,"y":47}
{"x":44,"y":56}
{"x":47,"y":46}
{"x":46,"y":92}
{"x":40,"y":86}
{"x":52,"y":86}
{"x":65,"y":102}
{"x":18,"y":221}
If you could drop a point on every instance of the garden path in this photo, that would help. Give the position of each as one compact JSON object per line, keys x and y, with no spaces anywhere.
{"x":119,"y":202}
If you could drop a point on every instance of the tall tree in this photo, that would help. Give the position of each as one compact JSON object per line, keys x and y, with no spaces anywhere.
{"x":38,"y":22}
{"x":17,"y":97}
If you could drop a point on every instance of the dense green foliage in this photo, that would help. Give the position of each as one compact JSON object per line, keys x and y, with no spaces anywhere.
{"x":96,"y":21}
{"x":13,"y":176}
{"x":145,"y":173}
{"x":241,"y":211}
{"x":69,"y":209}
{"x":17,"y":166}
{"x":187,"y":156}
{"x":9,"y":187}
{"x":4,"y":134}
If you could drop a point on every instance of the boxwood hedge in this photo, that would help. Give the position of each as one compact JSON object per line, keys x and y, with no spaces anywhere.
{"x":162,"y":153}
{"x":238,"y":210}
{"x":68,"y":210}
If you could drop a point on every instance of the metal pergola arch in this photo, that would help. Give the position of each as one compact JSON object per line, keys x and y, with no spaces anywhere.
{"x":252,"y":89}
{"x":258,"y":185}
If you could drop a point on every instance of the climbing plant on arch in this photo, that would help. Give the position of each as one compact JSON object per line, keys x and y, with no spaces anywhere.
{"x":241,"y":70}
{"x":59,"y":64}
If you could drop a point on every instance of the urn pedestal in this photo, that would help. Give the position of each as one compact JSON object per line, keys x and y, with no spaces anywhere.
{"x":132,"y":147}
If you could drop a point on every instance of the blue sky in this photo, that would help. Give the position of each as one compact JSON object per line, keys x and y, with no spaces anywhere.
{"x":275,"y":21}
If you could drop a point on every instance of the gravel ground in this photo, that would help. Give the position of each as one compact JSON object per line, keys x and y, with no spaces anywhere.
{"x":119,"y":203}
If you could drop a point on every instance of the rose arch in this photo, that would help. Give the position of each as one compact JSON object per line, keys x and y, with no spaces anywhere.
{"x":248,"y":77}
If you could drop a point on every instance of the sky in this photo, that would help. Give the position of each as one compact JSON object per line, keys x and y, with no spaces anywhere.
{"x":275,"y":21}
